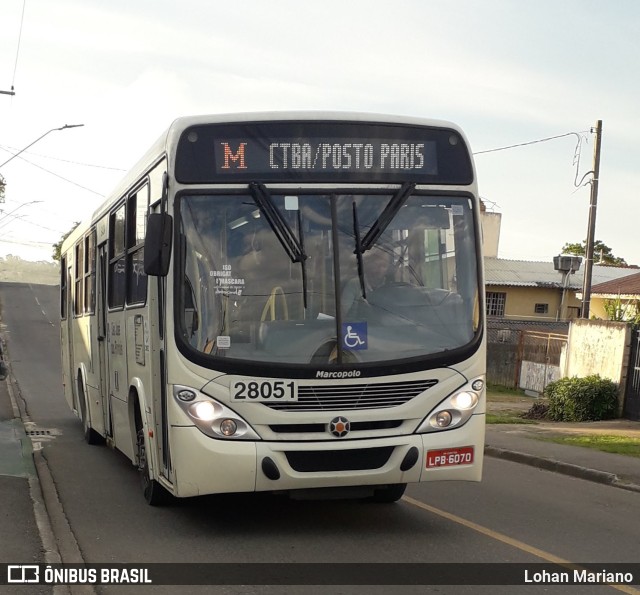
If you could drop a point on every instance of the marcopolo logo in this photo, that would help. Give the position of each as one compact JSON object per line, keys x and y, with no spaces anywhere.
{"x":339,"y":426}
{"x":341,"y":374}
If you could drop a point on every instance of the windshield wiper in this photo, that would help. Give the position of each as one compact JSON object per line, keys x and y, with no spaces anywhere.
{"x":293,"y":246}
{"x":278,"y":224}
{"x":303,"y":263}
{"x":390,"y":211}
{"x":358,"y":250}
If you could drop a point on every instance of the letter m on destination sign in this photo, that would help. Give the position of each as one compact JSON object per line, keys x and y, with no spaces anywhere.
{"x":237,"y":158}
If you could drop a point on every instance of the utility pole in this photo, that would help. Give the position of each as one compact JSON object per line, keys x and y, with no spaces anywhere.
{"x":591,"y":231}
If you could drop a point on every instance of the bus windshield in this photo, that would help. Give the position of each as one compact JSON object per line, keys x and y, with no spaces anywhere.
{"x":319,"y":277}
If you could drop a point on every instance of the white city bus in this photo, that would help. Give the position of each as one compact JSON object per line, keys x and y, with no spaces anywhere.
{"x":286,"y":302}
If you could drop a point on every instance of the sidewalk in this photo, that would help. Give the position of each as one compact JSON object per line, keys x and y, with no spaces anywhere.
{"x":523,"y":443}
{"x":20,"y":541}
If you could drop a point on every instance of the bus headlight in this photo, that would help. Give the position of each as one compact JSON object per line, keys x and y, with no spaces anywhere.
{"x":228,"y":427}
{"x":464,"y":400}
{"x":203,"y":410}
{"x":443,"y":419}
{"x":212,"y":417}
{"x":455,"y":410}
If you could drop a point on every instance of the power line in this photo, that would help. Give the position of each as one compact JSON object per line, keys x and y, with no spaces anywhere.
{"x":11,"y":213}
{"x":576,"y":155}
{"x":532,"y":142}
{"x":58,"y":175}
{"x":27,"y":243}
{"x":23,"y":220}
{"x":11,"y":149}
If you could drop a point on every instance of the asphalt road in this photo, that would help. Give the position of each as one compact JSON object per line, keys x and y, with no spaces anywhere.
{"x":516,"y":514}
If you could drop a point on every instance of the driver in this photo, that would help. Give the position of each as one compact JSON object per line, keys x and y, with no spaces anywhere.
{"x":377,"y":272}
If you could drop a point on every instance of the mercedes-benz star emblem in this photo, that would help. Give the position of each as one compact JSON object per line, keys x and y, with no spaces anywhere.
{"x":339,"y":426}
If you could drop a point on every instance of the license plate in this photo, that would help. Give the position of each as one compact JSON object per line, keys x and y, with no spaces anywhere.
{"x":247,"y":390}
{"x":448,"y":457}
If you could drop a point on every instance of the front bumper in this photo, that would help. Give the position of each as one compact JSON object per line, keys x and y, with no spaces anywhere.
{"x":208,"y":466}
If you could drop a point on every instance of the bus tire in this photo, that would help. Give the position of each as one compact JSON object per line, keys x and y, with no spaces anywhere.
{"x":388,"y":494}
{"x":90,"y":435}
{"x":153,"y":492}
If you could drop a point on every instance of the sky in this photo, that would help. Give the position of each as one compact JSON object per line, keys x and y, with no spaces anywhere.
{"x":508,"y":72}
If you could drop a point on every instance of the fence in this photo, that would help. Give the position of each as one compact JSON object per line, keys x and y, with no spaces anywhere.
{"x":524,"y":354}
{"x":632,"y":392}
{"x":541,"y":359}
{"x":520,"y":355}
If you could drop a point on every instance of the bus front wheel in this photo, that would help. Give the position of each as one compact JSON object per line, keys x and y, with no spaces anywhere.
{"x":153,"y":492}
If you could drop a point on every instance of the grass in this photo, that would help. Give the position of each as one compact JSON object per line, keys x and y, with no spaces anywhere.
{"x":507,"y":417}
{"x":604,"y":442}
{"x":503,"y":414}
{"x":496,"y":392}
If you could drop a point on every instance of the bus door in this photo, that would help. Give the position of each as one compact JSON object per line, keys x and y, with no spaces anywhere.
{"x":103,"y":365}
{"x":66,"y":326}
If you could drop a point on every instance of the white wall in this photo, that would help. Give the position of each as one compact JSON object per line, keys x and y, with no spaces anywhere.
{"x":491,"y":233}
{"x":599,"y":347}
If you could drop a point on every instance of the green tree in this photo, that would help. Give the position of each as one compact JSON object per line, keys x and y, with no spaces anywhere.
{"x":623,"y":310}
{"x":602,"y":254}
{"x":57,"y":247}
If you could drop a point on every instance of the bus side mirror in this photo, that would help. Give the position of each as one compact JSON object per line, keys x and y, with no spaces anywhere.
{"x":157,"y":244}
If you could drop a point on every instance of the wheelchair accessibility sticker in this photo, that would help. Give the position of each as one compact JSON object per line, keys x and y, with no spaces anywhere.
{"x":354,"y":335}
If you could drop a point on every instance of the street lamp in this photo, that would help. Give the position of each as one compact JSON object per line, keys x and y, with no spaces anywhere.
{"x":40,"y":138}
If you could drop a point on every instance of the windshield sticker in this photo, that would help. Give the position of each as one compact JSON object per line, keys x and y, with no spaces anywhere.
{"x":223,"y":342}
{"x":226,"y":282}
{"x":291,"y":203}
{"x":354,"y":335}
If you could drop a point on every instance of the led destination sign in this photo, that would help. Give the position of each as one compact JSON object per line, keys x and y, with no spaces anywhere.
{"x":329,"y":156}
{"x":321,"y":152}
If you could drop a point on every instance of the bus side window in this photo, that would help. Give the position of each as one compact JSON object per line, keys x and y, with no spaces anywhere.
{"x":79,"y":278}
{"x":90,"y":273}
{"x":137,"y":279}
{"x":116,"y":258}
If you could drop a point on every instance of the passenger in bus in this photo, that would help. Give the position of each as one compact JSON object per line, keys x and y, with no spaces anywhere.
{"x":377,"y":273}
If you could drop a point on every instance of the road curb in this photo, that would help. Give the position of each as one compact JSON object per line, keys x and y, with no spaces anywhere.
{"x":594,"y":475}
{"x":43,"y":522}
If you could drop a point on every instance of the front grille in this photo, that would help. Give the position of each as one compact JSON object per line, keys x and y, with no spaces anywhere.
{"x":354,"y":396}
{"x":339,"y":460}
{"x":356,"y":426}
